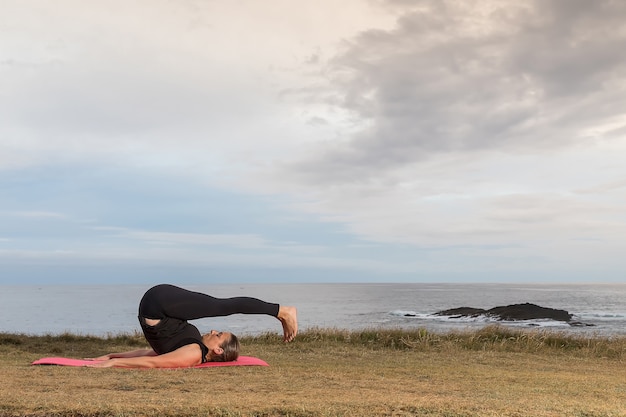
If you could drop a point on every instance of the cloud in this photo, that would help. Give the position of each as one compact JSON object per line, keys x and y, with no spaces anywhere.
{"x":174,"y":82}
{"x":475,"y":76}
{"x":433,"y":135}
{"x":474,"y":125}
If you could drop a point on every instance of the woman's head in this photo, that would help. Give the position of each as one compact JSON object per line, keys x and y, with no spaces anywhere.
{"x":223,"y":346}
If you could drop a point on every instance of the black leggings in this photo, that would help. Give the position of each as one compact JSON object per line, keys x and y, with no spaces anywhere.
{"x":170,"y":301}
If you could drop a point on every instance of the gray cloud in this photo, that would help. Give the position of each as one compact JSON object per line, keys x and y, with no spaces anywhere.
{"x":473,"y":76}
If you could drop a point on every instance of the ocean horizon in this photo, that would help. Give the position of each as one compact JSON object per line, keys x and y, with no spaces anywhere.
{"x":100,"y":310}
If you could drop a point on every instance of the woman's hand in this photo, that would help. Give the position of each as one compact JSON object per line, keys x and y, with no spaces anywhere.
{"x":99,"y":363}
{"x":101,"y":358}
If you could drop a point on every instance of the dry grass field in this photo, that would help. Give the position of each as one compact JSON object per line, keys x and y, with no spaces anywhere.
{"x":493,"y":372}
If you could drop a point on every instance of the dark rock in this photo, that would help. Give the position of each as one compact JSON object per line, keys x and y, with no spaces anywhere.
{"x":462,"y":312}
{"x":526,"y":311}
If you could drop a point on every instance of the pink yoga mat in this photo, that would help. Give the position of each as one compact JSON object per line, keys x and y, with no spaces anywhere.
{"x":241,"y":361}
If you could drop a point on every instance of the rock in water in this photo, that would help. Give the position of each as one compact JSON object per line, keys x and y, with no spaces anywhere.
{"x":526,"y":311}
{"x":462,"y":312}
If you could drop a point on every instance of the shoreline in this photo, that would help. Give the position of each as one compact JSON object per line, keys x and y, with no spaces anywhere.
{"x":102,"y":310}
{"x":504,"y":336}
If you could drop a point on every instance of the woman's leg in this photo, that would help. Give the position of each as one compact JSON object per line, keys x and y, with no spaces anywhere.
{"x":170,"y":301}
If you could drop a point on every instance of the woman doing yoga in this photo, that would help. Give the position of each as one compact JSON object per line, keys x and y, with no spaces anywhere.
{"x":163,"y":314}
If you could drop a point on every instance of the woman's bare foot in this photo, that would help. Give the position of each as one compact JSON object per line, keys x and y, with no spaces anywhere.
{"x":288,"y":316}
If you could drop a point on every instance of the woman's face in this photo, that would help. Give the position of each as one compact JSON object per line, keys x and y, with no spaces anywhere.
{"x":215,"y":339}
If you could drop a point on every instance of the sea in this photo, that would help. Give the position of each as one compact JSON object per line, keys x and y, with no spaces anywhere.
{"x":103,"y":310}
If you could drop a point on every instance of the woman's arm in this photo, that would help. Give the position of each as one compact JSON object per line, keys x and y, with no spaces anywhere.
{"x":183,"y":357}
{"x":130,"y":354}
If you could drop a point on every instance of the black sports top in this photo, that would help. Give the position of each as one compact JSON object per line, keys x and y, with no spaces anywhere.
{"x":170,"y":334}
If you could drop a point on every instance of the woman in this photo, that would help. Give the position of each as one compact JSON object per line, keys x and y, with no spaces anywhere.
{"x":163,"y":314}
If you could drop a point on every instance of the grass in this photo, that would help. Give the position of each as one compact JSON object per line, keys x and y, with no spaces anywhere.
{"x":331,"y":372}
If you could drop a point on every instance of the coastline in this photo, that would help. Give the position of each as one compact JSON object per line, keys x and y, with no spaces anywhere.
{"x":110,"y":309}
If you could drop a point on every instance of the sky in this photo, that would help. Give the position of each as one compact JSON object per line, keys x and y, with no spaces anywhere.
{"x":287,"y":141}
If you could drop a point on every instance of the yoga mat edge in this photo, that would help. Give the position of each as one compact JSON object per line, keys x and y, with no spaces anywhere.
{"x":242,"y":361}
